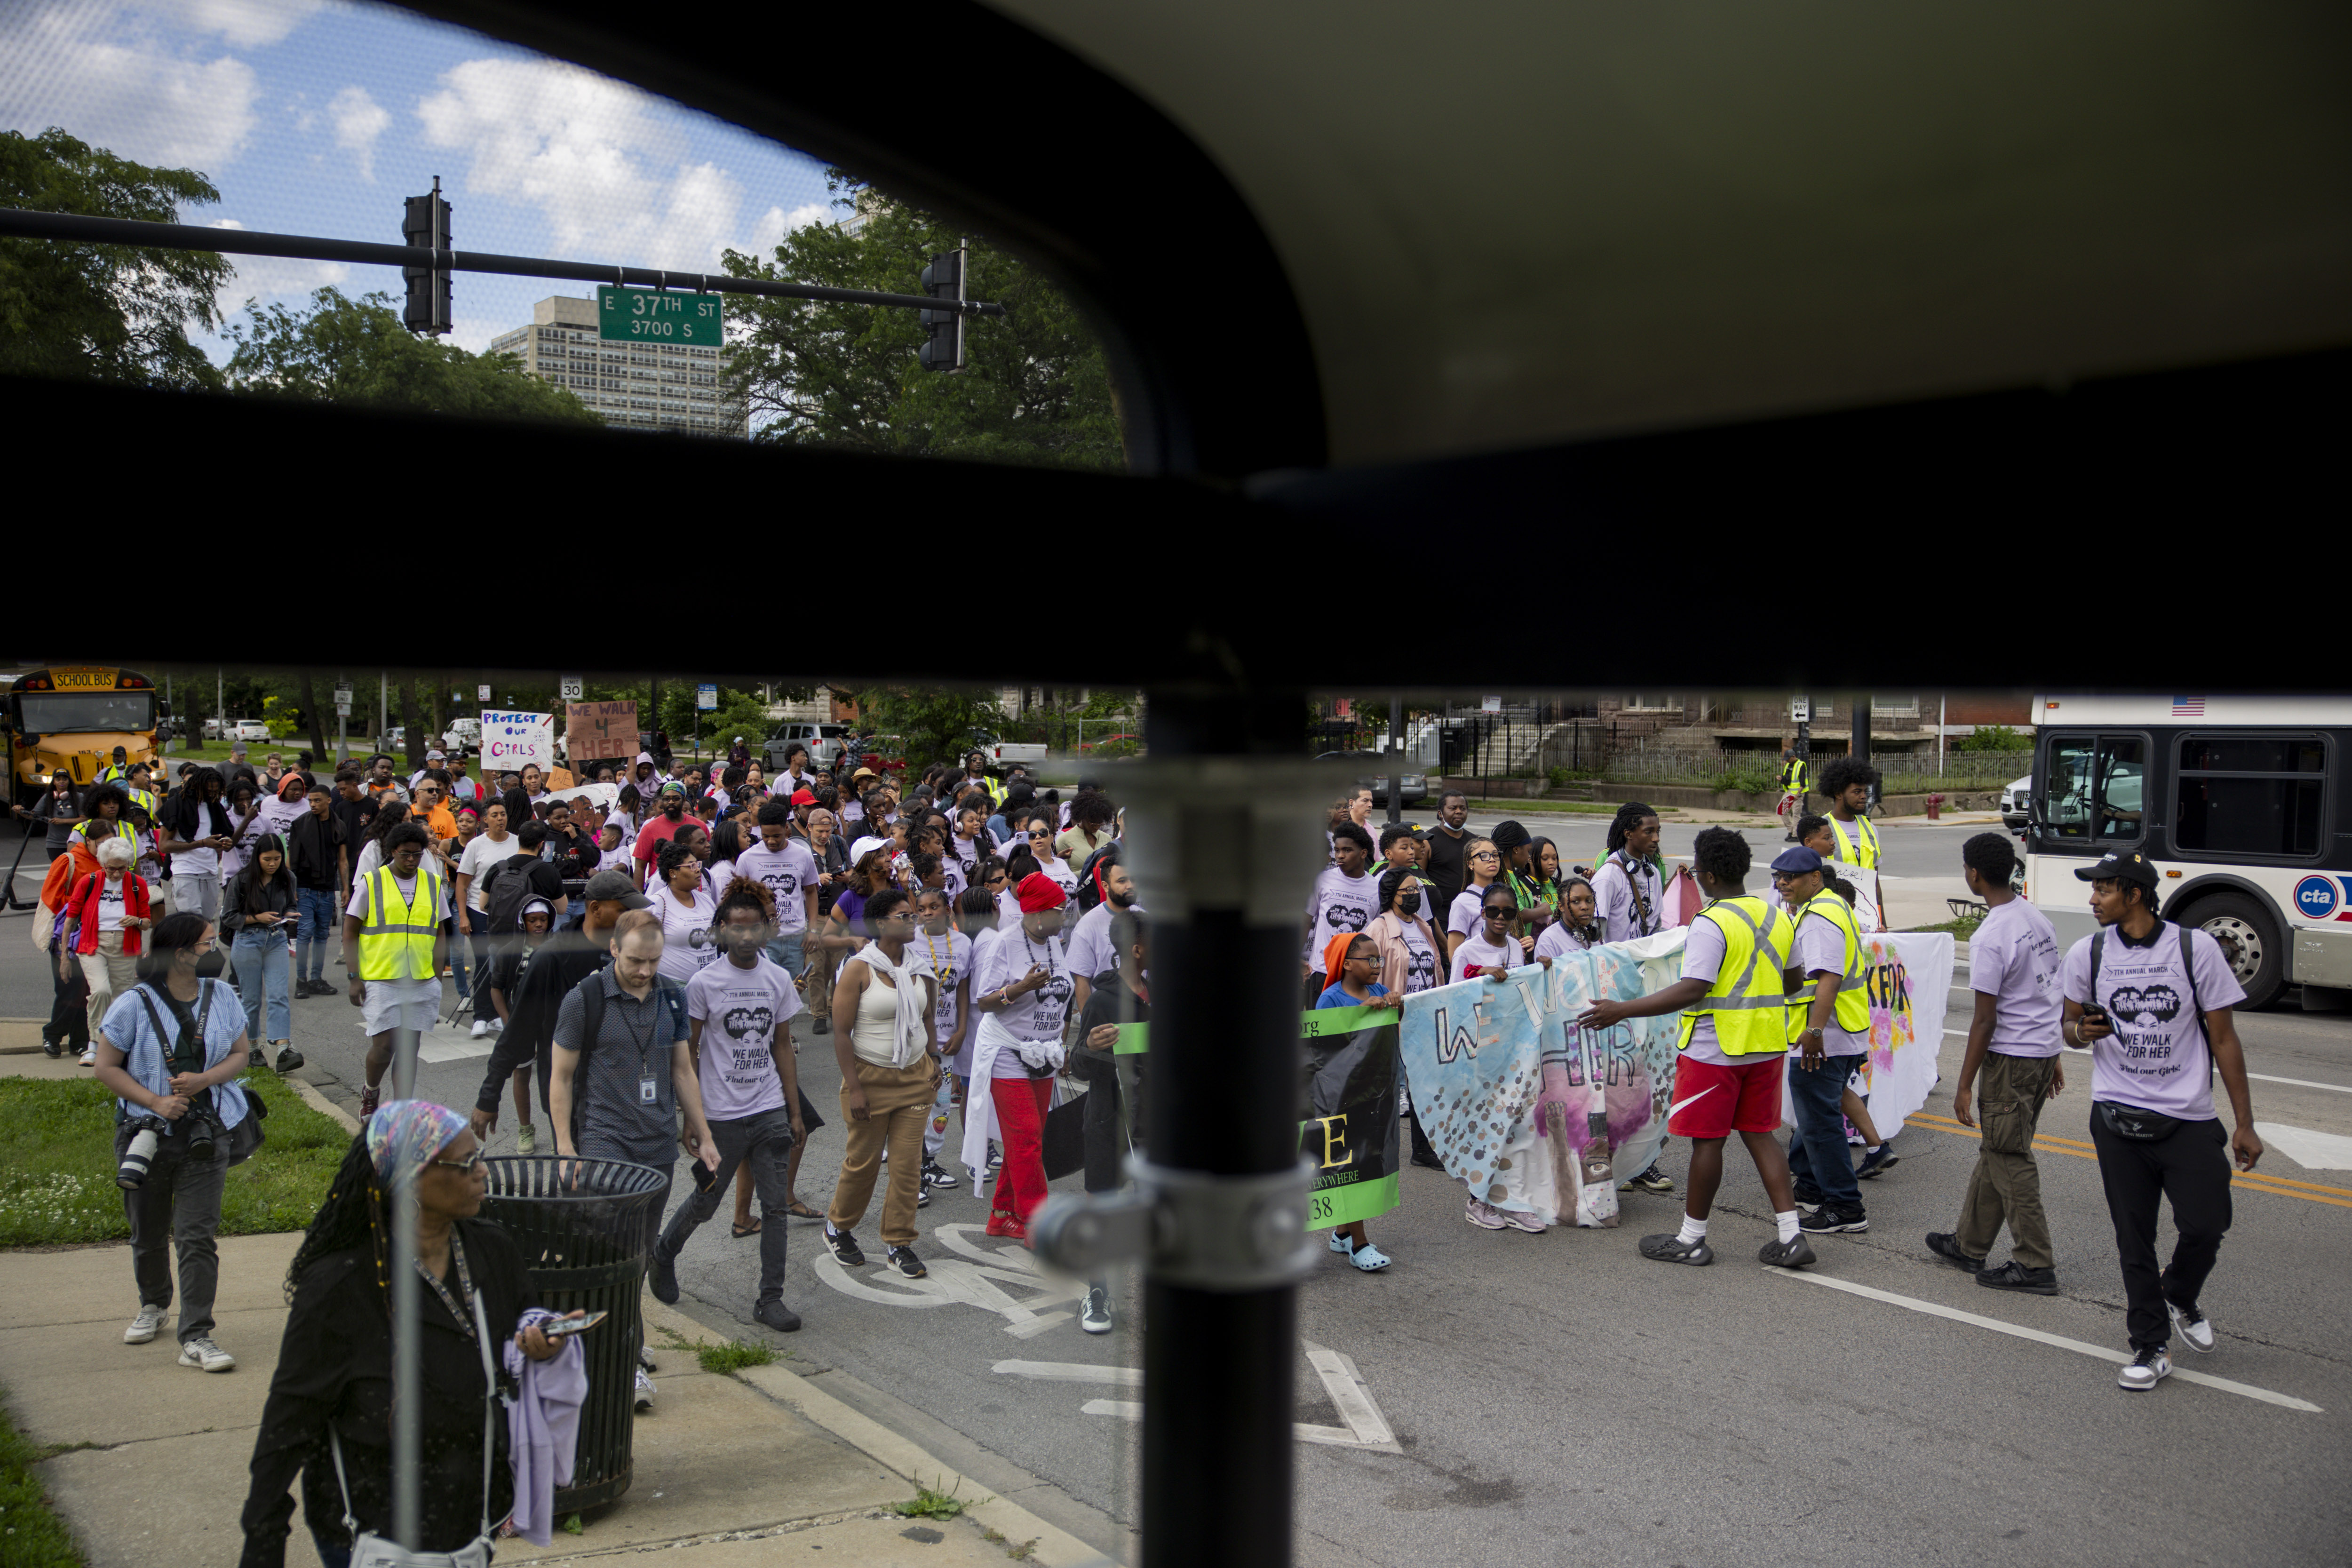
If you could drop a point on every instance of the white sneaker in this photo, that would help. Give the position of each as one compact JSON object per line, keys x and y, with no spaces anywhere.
{"x":480,"y":1031}
{"x":89,"y":1056}
{"x":1096,"y":1318}
{"x":645,"y":1392}
{"x":2191,"y":1325}
{"x":202,"y":1352}
{"x":527,"y":1139}
{"x":142,"y":1327}
{"x":2146,"y":1371}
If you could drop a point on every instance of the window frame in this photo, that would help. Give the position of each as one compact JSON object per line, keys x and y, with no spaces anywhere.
{"x":2090,"y":845}
{"x":2179,"y":738}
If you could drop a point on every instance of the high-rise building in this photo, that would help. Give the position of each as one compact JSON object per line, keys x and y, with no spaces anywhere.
{"x":639,"y":386}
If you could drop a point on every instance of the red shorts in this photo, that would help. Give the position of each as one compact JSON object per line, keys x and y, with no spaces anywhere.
{"x":1712,"y":1100}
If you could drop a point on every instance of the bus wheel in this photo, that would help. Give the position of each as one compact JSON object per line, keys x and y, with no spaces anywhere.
{"x":2250,"y":942}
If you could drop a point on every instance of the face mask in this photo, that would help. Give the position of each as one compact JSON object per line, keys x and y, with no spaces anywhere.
{"x":212,"y":966}
{"x":1409,"y":903}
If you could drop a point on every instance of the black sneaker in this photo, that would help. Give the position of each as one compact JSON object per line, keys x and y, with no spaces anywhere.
{"x":289,"y":1059}
{"x":777,"y":1316}
{"x":1650,"y":1181}
{"x":50,"y":1048}
{"x":824,"y":1026}
{"x":922,"y":1197}
{"x":1675,"y":1250}
{"x":936,"y":1174}
{"x":1809,"y":1199}
{"x":1787,"y":1254}
{"x":663,"y":1277}
{"x":2014,"y":1275}
{"x":1876,"y":1165}
{"x":1944,"y":1246}
{"x":256,"y":1060}
{"x":1827,"y":1220}
{"x":904,"y":1260}
{"x":844,"y":1247}
{"x":1430,"y":1160}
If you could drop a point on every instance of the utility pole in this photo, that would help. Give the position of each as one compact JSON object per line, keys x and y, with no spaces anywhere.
{"x":383,"y":706}
{"x":167,"y":703}
{"x":1396,"y":759}
{"x":220,"y":702}
{"x":1860,"y":749}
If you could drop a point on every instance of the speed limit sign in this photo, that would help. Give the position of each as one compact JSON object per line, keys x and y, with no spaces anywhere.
{"x":573,"y":689}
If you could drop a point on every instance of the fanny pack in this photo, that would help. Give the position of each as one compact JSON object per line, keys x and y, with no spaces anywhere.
{"x":2139,"y":1126}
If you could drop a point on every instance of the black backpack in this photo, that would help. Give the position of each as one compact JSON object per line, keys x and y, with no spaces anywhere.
{"x":504,"y":896}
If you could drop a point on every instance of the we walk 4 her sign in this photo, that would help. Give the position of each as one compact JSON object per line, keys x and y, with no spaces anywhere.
{"x":642,"y":315}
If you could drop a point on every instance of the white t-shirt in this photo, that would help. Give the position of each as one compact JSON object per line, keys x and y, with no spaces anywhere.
{"x":947,"y":960}
{"x":1060,"y":872}
{"x":1034,"y":1015}
{"x":740,"y":1011}
{"x":109,"y":904}
{"x":1090,"y":949}
{"x":202,"y":862}
{"x":2158,"y":1058}
{"x":1340,"y":903}
{"x":968,"y":853}
{"x":1420,"y":966}
{"x":358,"y":904}
{"x":2014,"y":959}
{"x":482,"y":854}
{"x":1477,"y":950}
{"x":686,"y":942}
{"x":279,"y":817}
{"x":788,"y":874}
{"x":1466,"y":913}
{"x":1820,"y":948}
{"x":1613,"y":890}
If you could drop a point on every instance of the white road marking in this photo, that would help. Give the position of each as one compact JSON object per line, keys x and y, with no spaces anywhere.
{"x":2099,"y":1353}
{"x":1366,"y":1426}
{"x":961,"y":1280}
{"x":2302,"y":1083}
{"x":2312,"y":1151}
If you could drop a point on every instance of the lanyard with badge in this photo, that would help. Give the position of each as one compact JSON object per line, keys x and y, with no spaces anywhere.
{"x":648,"y":1091}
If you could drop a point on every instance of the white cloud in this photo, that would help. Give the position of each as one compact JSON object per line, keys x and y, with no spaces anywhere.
{"x":609,"y":175}
{"x":472,"y":334}
{"x":358,"y":121}
{"x":769,"y":230}
{"x":243,"y":23}
{"x":265,"y":279}
{"x":64,"y":66}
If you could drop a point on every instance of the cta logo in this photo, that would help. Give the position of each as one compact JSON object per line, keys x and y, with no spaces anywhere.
{"x":2318,"y":898}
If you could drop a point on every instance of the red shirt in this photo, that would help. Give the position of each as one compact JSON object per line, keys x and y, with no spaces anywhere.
{"x":659,"y":831}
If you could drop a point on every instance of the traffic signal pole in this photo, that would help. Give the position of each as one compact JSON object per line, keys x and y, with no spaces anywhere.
{"x":19,"y":224}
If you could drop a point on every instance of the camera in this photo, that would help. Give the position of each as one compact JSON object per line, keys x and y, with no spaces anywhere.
{"x":202,"y":1128}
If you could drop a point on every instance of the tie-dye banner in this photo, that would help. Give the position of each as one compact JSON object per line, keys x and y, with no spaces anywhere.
{"x":1482,"y":1055}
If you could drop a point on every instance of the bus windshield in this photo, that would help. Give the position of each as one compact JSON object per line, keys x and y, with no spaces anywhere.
{"x":75,"y":712}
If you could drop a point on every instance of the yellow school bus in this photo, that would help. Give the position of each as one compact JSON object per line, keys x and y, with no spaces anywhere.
{"x":72,"y":716}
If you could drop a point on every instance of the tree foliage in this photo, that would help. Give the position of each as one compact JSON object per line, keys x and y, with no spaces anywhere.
{"x":113,"y":312}
{"x":1036,"y":387}
{"x":356,"y":352}
{"x":1993,"y":738}
{"x":934,"y":723}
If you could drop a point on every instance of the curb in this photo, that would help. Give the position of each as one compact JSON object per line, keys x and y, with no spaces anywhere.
{"x":320,"y":1102}
{"x":1050,"y":1545}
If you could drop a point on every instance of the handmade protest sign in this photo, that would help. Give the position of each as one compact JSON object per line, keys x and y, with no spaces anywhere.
{"x":1908,"y":975}
{"x":601,"y":730}
{"x":511,"y":740}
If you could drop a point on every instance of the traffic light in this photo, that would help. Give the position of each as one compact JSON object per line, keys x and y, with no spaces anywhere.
{"x":426,"y":223}
{"x":944,"y":279}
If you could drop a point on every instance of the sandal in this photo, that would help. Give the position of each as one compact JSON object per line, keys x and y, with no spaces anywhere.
{"x":743,"y":1230}
{"x":800,"y":1210}
{"x":1369,"y":1258}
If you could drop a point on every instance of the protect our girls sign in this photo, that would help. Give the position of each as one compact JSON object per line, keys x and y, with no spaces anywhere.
{"x":509,"y":740}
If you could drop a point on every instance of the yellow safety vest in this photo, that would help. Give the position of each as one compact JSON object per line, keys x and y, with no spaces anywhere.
{"x":1749,"y":1000}
{"x":1852,"y":996}
{"x":397,"y":943}
{"x":1867,"y":855}
{"x":1792,"y":777}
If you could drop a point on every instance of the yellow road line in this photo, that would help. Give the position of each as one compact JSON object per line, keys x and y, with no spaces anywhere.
{"x":2254,"y":1181}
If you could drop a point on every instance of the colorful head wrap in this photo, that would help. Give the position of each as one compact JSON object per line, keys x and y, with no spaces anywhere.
{"x":405,"y":1133}
{"x":1038,"y":892}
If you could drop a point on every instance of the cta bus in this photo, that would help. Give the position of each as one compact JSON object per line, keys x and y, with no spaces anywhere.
{"x":72,"y":716}
{"x":2237,"y":801}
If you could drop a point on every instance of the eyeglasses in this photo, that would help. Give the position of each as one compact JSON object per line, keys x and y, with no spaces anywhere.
{"x":1485,"y":855}
{"x":468,"y":1164}
{"x":1035,"y":833}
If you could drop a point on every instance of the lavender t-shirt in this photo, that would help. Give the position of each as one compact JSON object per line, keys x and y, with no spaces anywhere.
{"x":2013,"y":959}
{"x":1820,"y":949}
{"x":2158,"y":1060}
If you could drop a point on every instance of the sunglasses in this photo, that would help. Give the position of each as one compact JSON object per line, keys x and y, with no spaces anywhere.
{"x":1034,"y":833}
{"x":468,"y":1164}
{"x":1502,"y":912}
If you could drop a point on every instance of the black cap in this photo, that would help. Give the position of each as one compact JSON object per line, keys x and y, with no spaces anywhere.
{"x":2119,"y":867}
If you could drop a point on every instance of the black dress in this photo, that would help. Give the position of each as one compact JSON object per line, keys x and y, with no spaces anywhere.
{"x":335,"y":1367}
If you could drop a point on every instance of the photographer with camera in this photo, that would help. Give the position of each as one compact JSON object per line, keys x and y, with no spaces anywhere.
{"x":170,"y":1048}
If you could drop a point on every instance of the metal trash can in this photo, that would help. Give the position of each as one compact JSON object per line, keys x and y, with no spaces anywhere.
{"x":581,"y":1227}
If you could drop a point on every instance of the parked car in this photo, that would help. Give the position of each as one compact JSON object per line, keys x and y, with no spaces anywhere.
{"x":1372,"y":773}
{"x":825,"y":743}
{"x":393,"y":739}
{"x":463,"y":736}
{"x":2014,"y":800}
{"x":211,"y":729}
{"x":250,"y":730}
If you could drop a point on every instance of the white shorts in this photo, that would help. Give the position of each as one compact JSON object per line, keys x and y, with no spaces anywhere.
{"x":402,"y":1004}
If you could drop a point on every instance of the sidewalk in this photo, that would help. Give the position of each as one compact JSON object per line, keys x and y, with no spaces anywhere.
{"x":731,"y":1470}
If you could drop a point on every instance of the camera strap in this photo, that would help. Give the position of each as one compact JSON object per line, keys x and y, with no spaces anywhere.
{"x":167,"y":1045}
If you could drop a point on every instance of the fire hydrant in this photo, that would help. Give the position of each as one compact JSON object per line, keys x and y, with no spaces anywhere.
{"x":1935,"y":802}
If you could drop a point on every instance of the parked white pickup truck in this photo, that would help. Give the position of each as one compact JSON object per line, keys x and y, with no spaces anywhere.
{"x":1004,"y":752}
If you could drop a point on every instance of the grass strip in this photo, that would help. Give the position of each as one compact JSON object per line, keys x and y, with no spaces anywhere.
{"x":56,"y":1163}
{"x":31,"y":1533}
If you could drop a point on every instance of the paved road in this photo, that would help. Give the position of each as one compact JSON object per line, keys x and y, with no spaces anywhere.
{"x":1560,"y":1394}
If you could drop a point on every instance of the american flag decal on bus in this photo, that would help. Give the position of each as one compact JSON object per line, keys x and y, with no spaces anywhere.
{"x":2188,"y":707}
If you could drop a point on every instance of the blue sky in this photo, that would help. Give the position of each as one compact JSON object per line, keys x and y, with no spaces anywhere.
{"x":319,"y":116}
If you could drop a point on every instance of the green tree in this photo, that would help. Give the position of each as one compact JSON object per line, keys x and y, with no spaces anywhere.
{"x":1993,"y":738}
{"x":1036,"y":387}
{"x":934,"y":723}
{"x":114,"y":313}
{"x":355,"y":351}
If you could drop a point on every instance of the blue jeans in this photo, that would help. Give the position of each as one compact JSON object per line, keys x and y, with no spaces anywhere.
{"x":1817,"y":1152}
{"x":784,"y":951}
{"x":263,"y":975}
{"x":318,"y":928}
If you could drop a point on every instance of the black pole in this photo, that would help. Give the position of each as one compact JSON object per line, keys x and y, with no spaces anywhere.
{"x":1396,"y":759}
{"x":1219,"y":1367}
{"x":1860,"y":749}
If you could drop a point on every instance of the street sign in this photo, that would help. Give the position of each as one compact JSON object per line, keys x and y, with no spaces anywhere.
{"x":342,"y":710}
{"x":1801,"y":710}
{"x":705,"y":697}
{"x":481,"y":694}
{"x":1490,"y":705}
{"x":573,"y":689}
{"x":631,"y":315}
{"x":342,"y":697}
